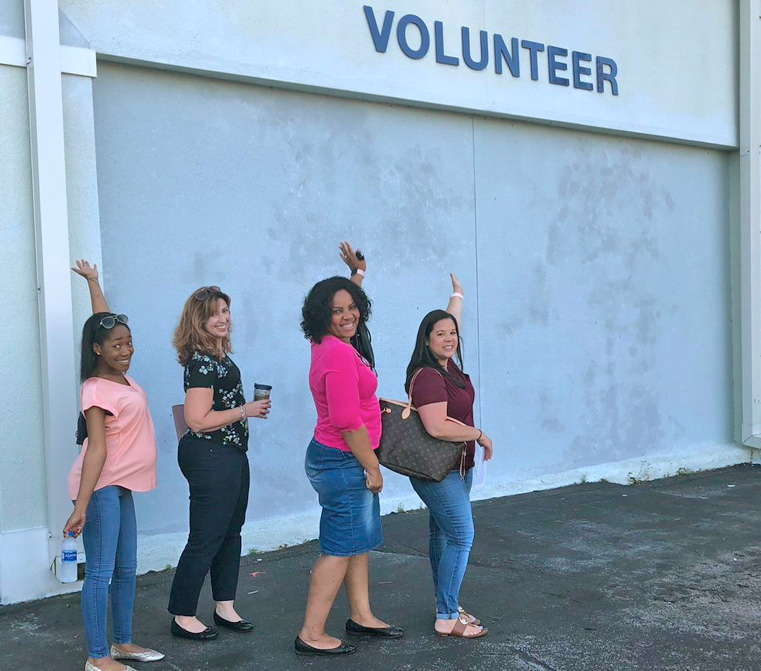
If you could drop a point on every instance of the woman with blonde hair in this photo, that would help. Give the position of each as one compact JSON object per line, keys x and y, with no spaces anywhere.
{"x":212,"y":457}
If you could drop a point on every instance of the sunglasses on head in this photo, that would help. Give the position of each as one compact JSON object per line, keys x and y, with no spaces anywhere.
{"x":111,"y":320}
{"x":203,"y":293}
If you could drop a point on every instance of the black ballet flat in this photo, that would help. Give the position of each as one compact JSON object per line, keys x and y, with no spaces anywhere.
{"x":207,"y":634}
{"x":381,"y":632}
{"x":241,"y":626}
{"x":306,"y":649}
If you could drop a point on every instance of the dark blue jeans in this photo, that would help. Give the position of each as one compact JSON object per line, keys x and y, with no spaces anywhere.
{"x":110,"y":540}
{"x":451,"y":536}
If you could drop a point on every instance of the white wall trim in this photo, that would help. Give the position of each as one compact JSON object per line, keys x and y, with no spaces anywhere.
{"x":53,"y":260}
{"x":24,"y":567}
{"x":159,"y":551}
{"x":74,"y":60}
{"x":25,"y":571}
{"x":750,"y":222}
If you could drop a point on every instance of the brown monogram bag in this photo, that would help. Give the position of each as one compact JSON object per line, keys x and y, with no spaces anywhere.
{"x":407,"y":448}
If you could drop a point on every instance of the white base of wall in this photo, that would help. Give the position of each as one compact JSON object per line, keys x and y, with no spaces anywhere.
{"x":24,"y":567}
{"x":24,"y":574}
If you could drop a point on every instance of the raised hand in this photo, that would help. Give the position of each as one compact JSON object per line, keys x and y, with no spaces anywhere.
{"x":352,"y":258}
{"x":84,"y":269}
{"x":456,"y":286}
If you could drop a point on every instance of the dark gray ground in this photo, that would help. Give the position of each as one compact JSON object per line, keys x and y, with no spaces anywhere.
{"x":662,"y":575}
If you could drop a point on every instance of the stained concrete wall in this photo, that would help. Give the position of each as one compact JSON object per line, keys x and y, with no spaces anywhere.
{"x":596,"y":268}
{"x":604,"y":293}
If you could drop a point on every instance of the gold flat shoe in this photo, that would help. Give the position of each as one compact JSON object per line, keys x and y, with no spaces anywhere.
{"x":147,"y":656}
{"x":92,"y":667}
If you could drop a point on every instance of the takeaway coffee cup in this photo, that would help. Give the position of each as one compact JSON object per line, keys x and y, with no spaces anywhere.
{"x":262,"y":391}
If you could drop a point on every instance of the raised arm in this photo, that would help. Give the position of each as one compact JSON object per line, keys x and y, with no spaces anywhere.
{"x":90,"y":273}
{"x":454,"y":307}
{"x":355,"y":261}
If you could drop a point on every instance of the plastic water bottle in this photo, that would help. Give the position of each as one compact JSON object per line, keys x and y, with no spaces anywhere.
{"x":68,"y":559}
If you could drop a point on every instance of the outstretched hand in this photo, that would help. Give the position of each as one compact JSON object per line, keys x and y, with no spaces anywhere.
{"x":84,"y":269}
{"x":456,"y":286}
{"x":352,"y":258}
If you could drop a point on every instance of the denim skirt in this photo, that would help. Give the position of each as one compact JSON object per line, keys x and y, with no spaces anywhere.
{"x":350,"y":521}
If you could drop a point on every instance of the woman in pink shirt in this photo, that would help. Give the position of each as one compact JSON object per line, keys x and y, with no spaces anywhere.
{"x":118,"y":457}
{"x":340,"y":462}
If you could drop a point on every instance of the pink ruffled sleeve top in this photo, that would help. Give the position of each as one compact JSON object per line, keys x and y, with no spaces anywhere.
{"x":343,"y":387}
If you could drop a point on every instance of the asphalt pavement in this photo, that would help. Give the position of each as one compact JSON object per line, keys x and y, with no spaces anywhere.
{"x":594,"y":577}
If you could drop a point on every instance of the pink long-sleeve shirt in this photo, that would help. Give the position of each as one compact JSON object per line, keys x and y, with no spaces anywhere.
{"x":343,"y":387}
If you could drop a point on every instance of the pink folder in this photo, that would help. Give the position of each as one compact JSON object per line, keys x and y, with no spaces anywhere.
{"x":178,"y":412}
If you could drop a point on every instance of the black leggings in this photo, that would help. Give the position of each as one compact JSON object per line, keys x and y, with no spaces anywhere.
{"x":218,"y":477}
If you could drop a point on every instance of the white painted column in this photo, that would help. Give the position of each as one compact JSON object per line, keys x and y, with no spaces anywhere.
{"x":750,"y":219}
{"x":53,"y":258}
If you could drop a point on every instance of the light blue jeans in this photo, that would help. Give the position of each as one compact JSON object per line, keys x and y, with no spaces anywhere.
{"x":110,"y":540}
{"x":451,"y":536}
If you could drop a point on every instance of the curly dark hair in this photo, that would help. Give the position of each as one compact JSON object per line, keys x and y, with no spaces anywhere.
{"x":315,"y":322}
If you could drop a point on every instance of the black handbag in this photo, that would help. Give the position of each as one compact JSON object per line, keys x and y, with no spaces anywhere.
{"x":407,"y":448}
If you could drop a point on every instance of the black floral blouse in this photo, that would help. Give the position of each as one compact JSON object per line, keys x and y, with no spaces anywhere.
{"x":223,"y":376}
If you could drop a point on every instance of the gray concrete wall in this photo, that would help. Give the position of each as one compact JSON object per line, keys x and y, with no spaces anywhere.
{"x":604,"y":293}
{"x":565,"y":242}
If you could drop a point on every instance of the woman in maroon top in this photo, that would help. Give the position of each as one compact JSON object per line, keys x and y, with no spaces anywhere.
{"x":440,"y":390}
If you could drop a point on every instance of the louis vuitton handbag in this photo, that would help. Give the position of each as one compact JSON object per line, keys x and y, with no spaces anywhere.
{"x":407,"y":448}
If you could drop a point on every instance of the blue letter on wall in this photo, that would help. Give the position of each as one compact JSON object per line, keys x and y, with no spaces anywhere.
{"x":466,"y":53}
{"x":401,"y":35}
{"x":511,"y":59}
{"x":603,"y":76}
{"x":579,"y":69}
{"x":380,"y":37}
{"x":533,"y":49}
{"x":441,"y":57}
{"x":554,"y":65}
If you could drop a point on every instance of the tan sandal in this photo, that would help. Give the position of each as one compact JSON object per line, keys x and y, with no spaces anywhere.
{"x":472,"y":618}
{"x":460,"y":627}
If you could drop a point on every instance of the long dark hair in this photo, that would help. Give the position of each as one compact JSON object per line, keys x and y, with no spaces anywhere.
{"x":94,"y":334}
{"x":421,"y":355}
{"x":315,"y":315}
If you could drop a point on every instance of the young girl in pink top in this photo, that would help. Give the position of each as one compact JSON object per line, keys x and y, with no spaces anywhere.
{"x":118,"y":457}
{"x":340,"y":460}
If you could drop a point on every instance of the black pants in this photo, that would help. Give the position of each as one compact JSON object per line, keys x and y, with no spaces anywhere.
{"x":218,"y":476}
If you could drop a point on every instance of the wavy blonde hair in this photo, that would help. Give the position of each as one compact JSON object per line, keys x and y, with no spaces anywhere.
{"x":191,"y":336}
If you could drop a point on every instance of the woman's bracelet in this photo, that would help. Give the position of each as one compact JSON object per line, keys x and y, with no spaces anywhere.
{"x":480,"y":435}
{"x":243,"y":413}
{"x":359,"y":271}
{"x":457,"y":294}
